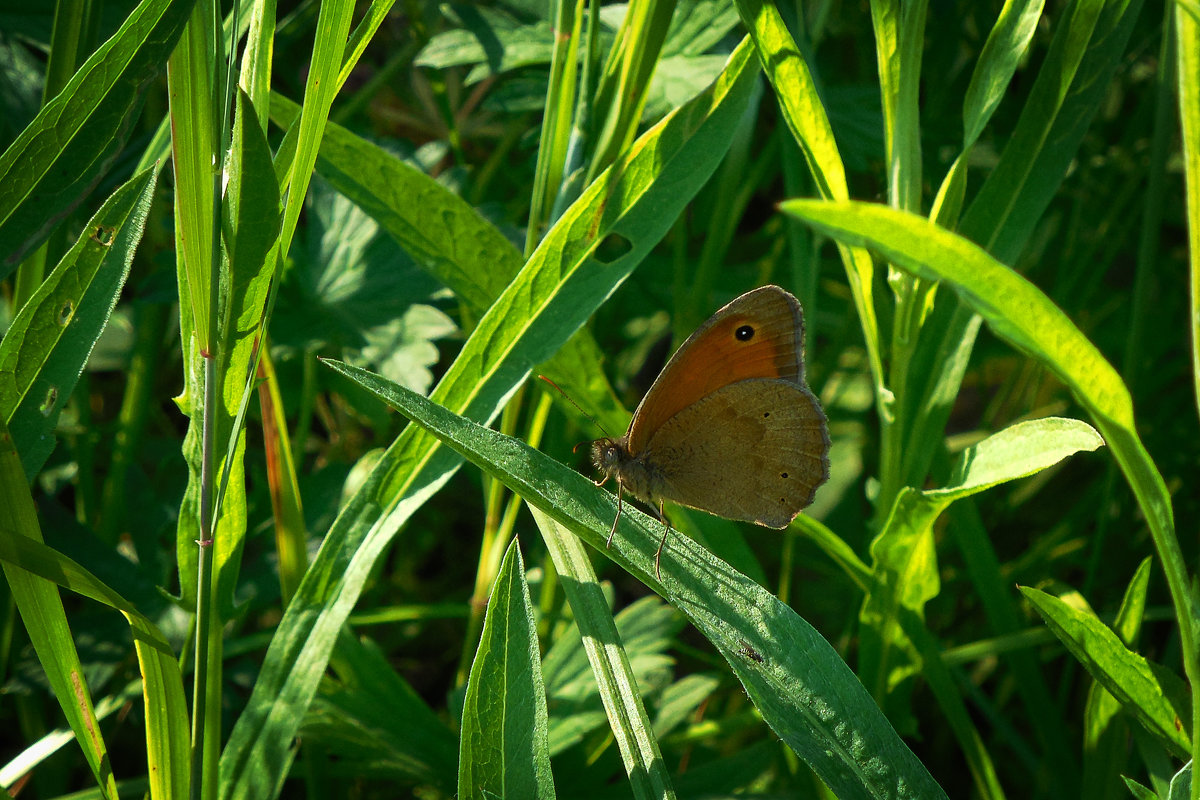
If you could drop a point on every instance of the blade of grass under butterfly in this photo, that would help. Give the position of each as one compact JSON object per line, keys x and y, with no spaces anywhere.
{"x":805,"y":692}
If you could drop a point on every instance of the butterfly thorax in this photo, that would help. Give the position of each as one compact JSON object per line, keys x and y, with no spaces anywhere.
{"x":636,"y":475}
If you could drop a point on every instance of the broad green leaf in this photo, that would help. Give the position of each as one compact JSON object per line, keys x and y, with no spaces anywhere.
{"x":1018,"y":451}
{"x":1155,"y":697}
{"x":31,"y":568}
{"x":904,"y":555}
{"x":1019,"y":313}
{"x":540,"y":309}
{"x":68,"y":148}
{"x":805,"y":692}
{"x":45,"y":349}
{"x":503,"y":749}
{"x":491,"y":39}
{"x":609,"y":660}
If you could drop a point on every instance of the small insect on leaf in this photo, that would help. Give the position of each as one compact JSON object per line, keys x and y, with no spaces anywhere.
{"x":47,"y":405}
{"x":746,"y":651}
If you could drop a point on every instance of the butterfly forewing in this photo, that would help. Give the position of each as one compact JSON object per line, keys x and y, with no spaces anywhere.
{"x":758,"y":335}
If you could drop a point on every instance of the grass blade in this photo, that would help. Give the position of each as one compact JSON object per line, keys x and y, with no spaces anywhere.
{"x":804,"y":690}
{"x":81,"y":131}
{"x":560,"y":286}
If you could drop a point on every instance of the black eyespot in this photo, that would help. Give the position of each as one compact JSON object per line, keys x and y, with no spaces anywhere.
{"x":744,"y":333}
{"x":783,"y":474}
{"x":766,"y":414}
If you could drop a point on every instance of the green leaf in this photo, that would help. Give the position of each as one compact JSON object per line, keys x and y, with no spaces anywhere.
{"x":44,"y":617}
{"x":451,"y":241}
{"x":31,"y":568}
{"x":491,"y":39}
{"x":904,"y":555}
{"x":1138,"y":791}
{"x":1105,"y":734}
{"x":503,"y":749}
{"x":1072,"y":84}
{"x":1018,"y":451}
{"x":45,"y":349}
{"x":1022,"y":315}
{"x":1154,"y":697}
{"x":805,"y":692}
{"x":1181,"y":784}
{"x":611,"y":664}
{"x":560,"y":286}
{"x":61,"y":156}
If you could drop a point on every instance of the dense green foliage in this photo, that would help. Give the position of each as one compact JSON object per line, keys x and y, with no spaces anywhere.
{"x":989,"y":211}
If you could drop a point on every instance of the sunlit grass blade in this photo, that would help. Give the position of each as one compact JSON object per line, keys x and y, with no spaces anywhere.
{"x":804,"y":113}
{"x":1187,"y":54}
{"x":58,"y":158}
{"x":452,"y":241}
{"x":44,"y":350}
{"x":1018,"y":312}
{"x":31,"y":569}
{"x":193,"y":157}
{"x":565,"y":280}
{"x":503,"y":750}
{"x":805,"y":692}
{"x":627,"y":716}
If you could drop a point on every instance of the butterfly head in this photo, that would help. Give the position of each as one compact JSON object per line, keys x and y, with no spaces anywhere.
{"x":609,"y":455}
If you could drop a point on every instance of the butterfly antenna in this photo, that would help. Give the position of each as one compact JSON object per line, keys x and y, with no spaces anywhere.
{"x":577,"y":408}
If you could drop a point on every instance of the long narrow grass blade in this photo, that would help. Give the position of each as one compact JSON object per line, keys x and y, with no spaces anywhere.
{"x":44,"y":351}
{"x":32,"y":568}
{"x":648,"y":776}
{"x":560,"y":286}
{"x":58,"y":158}
{"x":805,"y":692}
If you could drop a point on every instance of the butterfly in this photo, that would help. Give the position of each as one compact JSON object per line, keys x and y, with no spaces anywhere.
{"x":729,"y":426}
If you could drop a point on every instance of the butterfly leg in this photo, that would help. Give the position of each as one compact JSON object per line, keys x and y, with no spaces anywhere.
{"x":666,"y":529}
{"x":617,"y":518}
